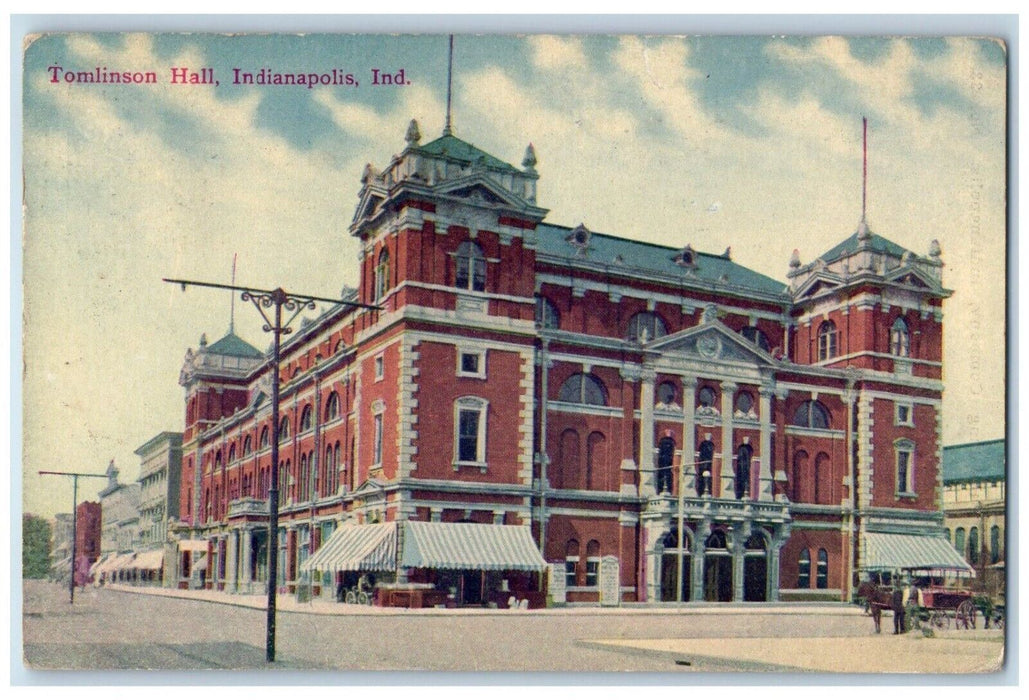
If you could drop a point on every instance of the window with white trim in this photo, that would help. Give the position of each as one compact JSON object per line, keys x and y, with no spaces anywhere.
{"x":827,"y":341}
{"x":905,"y":460}
{"x":470,"y":431}
{"x":377,"y":452}
{"x":904,"y":414}
{"x":593,"y":563}
{"x":380,"y":366}
{"x":382,"y":275}
{"x":470,"y":267}
{"x":571,"y":563}
{"x":900,"y":338}
{"x":471,"y":363}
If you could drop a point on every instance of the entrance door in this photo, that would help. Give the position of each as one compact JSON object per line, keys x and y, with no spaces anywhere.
{"x":471,"y":586}
{"x":718,"y":578}
{"x":670,"y":572}
{"x":755,"y":577}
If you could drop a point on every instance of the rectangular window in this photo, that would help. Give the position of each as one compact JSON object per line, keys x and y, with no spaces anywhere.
{"x":379,"y":368}
{"x":905,"y":465}
{"x":592,"y":571}
{"x":570,"y":565}
{"x":904,"y":414}
{"x":377,"y":458}
{"x":471,"y":363}
{"x":468,"y":436}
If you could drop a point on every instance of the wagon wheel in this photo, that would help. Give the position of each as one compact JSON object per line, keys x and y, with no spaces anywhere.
{"x":966,"y":613}
{"x":351,"y":598}
{"x":939,"y":619}
{"x":998,"y":619}
{"x":363,"y":599}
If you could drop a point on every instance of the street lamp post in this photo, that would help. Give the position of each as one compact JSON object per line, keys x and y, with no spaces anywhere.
{"x":74,"y":522}
{"x":276,"y":299}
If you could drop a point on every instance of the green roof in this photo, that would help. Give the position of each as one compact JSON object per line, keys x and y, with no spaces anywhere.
{"x":235,"y":346}
{"x":614,"y":251}
{"x":456,"y":149}
{"x":974,"y":461}
{"x":850,"y":244}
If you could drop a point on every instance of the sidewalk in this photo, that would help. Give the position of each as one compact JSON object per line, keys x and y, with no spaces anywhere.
{"x":288,"y":603}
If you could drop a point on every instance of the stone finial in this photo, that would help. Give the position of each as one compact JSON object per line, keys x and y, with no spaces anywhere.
{"x":709,"y":314}
{"x":728,"y":253}
{"x":863,"y":232}
{"x":795,"y":259}
{"x":203,"y":340}
{"x":368,"y":174}
{"x":529,"y":160}
{"x":934,"y":249}
{"x":413,"y":136}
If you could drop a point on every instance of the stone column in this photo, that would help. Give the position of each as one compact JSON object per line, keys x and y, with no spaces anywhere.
{"x":780,"y":535}
{"x":646,"y":458}
{"x":247,"y":555}
{"x":765,"y":476}
{"x":728,"y":473}
{"x":737,"y":548}
{"x":232,"y":562}
{"x":654,"y":528}
{"x":697,"y":567}
{"x":689,"y":435}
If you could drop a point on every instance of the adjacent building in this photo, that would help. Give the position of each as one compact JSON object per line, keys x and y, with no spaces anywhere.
{"x":974,"y":507}
{"x":60,"y":546}
{"x":88,"y":534}
{"x":119,"y":506}
{"x":658,"y":423}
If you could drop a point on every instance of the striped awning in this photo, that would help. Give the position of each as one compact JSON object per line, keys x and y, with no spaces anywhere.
{"x":432,"y":545}
{"x":119,"y":562}
{"x":890,"y":552}
{"x":148,"y":561}
{"x":192,"y":545}
{"x":98,"y":565}
{"x":357,"y":548}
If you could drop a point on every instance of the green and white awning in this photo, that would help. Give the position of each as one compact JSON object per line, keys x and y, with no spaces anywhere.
{"x":148,"y":561}
{"x":429,"y":545}
{"x":891,"y":552}
{"x":357,"y":548}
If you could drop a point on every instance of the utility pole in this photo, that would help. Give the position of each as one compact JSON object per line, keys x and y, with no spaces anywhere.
{"x":294,"y":304}
{"x":74,"y":521}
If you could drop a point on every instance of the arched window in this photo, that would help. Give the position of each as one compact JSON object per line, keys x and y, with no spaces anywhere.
{"x":804,"y":569}
{"x":665,"y":458}
{"x":305,"y":418}
{"x":470,"y":271}
{"x":332,"y":406}
{"x":284,"y":429}
{"x":904,"y":453}
{"x":667,"y":394}
{"x":744,"y":403}
{"x":827,"y":341}
{"x":707,"y":397}
{"x":265,"y":441}
{"x":585,"y":389}
{"x":336,"y":466}
{"x":547,"y":315}
{"x":973,"y":546}
{"x":743,"y":457}
{"x":822,"y":573}
{"x":218,"y":460}
{"x":706,"y":457}
{"x":756,"y":336}
{"x":716,"y":540}
{"x":995,"y":549}
{"x":571,"y":562}
{"x":644,"y":327}
{"x":232,"y":453}
{"x":959,"y":541}
{"x":900,"y":338}
{"x":248,"y":446}
{"x":592,"y":563}
{"x":567,"y":476}
{"x":382,"y":275}
{"x":811,"y":414}
{"x":594,"y":457}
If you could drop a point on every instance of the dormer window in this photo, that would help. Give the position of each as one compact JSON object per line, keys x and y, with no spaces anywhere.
{"x":645,"y":326}
{"x":580,"y":238}
{"x":686,"y":257}
{"x":470,"y":272}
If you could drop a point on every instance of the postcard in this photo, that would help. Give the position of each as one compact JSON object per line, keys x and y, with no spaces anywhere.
{"x":494,"y":353}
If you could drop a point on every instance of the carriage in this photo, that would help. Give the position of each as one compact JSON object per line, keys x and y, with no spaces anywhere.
{"x":944,"y":598}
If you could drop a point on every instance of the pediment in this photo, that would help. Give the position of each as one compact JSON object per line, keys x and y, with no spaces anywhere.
{"x":371,"y":198}
{"x":479,"y":188}
{"x":712,"y":342}
{"x":817,"y":284}
{"x":911,"y":277}
{"x":369,"y":487}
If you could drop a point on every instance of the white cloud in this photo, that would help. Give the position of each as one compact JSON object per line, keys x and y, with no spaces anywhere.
{"x":557,"y":53}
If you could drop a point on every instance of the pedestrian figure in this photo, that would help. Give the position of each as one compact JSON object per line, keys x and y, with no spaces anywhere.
{"x":898,"y":610}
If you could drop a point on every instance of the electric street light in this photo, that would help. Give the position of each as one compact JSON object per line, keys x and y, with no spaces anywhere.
{"x":294,"y":303}
{"x":74,"y":521}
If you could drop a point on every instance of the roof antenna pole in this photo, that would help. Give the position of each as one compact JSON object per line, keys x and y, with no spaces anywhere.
{"x":232,"y":297}
{"x":864,"y":165}
{"x":450,"y":69}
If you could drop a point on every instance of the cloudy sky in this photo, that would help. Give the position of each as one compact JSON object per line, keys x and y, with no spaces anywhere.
{"x":749,"y":142}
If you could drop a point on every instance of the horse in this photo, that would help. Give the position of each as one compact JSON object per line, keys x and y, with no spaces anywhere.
{"x":876,"y":598}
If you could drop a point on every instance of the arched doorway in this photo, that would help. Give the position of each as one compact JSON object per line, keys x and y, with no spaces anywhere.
{"x":755,"y":569}
{"x":670,"y":567}
{"x":717,"y":569}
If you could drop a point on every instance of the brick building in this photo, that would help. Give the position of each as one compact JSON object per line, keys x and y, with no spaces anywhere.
{"x":663,"y":423}
{"x":87,"y":533}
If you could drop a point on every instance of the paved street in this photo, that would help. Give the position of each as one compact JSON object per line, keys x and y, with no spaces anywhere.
{"x":112,"y":629}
